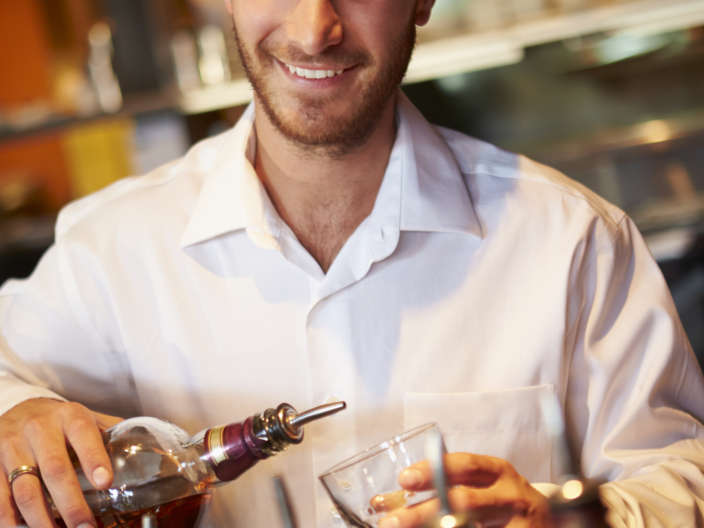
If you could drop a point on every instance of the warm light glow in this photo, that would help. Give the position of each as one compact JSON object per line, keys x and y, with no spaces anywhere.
{"x":656,"y":131}
{"x":572,"y":489}
{"x":448,"y":521}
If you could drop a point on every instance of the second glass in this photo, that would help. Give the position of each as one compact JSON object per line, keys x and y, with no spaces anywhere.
{"x":365,"y":487}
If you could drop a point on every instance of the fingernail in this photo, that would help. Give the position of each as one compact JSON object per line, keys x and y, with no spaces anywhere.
{"x":410,"y":478}
{"x":390,"y":522}
{"x":86,"y":525}
{"x":101,"y":477}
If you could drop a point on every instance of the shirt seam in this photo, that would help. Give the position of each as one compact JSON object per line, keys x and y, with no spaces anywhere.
{"x":615,"y":221}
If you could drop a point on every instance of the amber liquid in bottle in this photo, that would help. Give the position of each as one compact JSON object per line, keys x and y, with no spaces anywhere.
{"x":181,"y":513}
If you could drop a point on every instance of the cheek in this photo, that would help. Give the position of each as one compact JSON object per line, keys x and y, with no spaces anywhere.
{"x":378,"y":23}
{"x":255,"y":19}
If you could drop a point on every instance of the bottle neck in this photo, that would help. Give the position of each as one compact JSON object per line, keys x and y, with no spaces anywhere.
{"x":232,"y":449}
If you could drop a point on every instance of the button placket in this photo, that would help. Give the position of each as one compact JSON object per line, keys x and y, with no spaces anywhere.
{"x":332,"y":379}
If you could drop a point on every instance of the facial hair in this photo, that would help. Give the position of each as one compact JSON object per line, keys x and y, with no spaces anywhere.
{"x":340,"y":136}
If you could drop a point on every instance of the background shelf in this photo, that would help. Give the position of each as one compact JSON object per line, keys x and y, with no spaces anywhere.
{"x":463,"y":50}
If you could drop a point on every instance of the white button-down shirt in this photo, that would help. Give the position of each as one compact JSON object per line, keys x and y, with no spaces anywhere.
{"x":480,"y":283}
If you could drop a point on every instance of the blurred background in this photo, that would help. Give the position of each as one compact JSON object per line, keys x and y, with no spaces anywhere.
{"x":609,"y":91}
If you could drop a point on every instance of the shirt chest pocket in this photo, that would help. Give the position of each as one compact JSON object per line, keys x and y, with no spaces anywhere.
{"x":508,"y":424}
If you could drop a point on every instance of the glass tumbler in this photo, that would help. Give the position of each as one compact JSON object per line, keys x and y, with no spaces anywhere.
{"x":365,"y":487}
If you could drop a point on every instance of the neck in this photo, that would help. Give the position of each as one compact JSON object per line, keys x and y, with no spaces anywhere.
{"x":322,"y":194}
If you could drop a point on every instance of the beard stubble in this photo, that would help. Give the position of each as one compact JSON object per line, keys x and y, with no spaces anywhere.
{"x":321,"y":135}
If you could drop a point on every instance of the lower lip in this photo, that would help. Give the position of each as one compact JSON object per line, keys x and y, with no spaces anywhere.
{"x":316,"y":83}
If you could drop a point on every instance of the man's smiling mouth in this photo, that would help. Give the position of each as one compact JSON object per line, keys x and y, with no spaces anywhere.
{"x":305,"y":73}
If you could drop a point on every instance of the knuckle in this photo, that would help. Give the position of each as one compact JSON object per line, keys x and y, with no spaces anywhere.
{"x":75,"y":513}
{"x":462,"y":498}
{"x":9,"y":438}
{"x":78,"y":424}
{"x":507,"y":468}
{"x":459,"y":500}
{"x":500,"y":462}
{"x":34,"y":426}
{"x":516,"y":496}
{"x":75,"y":411}
{"x":55,"y":467}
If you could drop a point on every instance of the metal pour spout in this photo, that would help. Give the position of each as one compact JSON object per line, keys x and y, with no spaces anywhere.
{"x":298,"y":420}
{"x":280,"y":427}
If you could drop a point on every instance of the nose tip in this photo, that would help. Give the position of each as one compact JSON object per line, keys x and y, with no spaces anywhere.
{"x":314,"y":26}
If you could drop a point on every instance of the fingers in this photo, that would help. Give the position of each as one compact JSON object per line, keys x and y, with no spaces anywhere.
{"x":416,"y":515}
{"x":37,"y":432}
{"x":58,"y":473}
{"x":488,"y":487}
{"x":495,"y":506}
{"x":503,"y":497}
{"x":508,"y":503}
{"x":28,"y":496}
{"x":82,"y":433}
{"x":460,"y":468}
{"x":386,"y":502}
{"x":25,"y":495}
{"x":475,"y":470}
{"x":9,"y":516}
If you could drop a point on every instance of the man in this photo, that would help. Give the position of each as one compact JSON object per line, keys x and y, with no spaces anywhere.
{"x":334,"y":245}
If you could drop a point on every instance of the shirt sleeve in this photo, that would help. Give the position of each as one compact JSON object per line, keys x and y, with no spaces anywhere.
{"x":50,"y":345}
{"x":635,"y":398}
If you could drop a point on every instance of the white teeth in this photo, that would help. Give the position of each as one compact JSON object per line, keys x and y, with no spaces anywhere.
{"x":312,"y":74}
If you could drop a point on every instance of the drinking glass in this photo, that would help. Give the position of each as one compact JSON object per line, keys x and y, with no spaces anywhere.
{"x":365,"y":487}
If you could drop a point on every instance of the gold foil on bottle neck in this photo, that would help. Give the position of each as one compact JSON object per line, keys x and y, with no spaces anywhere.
{"x":216,"y":444}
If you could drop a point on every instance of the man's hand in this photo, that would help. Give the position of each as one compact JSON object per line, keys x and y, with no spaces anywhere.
{"x":36,"y":433}
{"x":488,"y":487}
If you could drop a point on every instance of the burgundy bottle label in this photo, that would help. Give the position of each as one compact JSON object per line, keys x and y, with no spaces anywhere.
{"x":233,"y":449}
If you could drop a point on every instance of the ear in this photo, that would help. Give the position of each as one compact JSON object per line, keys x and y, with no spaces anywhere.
{"x":423,"y":8}
{"x":228,"y":6}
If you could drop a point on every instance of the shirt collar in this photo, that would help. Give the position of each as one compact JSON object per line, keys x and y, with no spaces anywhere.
{"x":434,"y":194}
{"x":232,"y":197}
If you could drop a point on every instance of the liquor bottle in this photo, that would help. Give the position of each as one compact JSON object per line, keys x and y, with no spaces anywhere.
{"x":162,"y":474}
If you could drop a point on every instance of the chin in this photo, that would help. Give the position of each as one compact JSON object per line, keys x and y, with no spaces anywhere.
{"x":315,"y":128}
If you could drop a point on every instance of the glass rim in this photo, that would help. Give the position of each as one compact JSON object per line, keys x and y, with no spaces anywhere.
{"x":378,"y":448}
